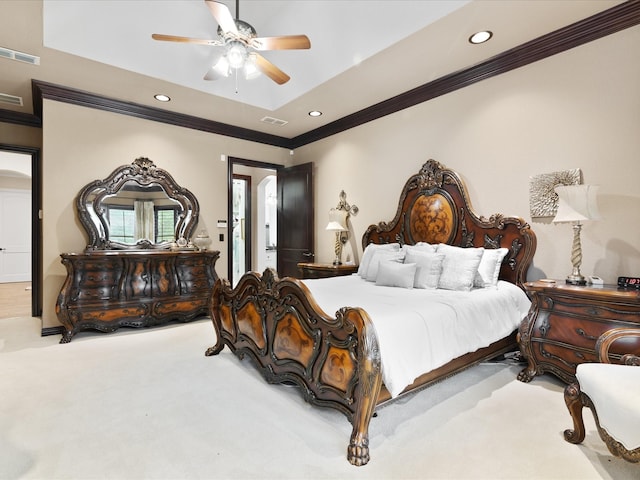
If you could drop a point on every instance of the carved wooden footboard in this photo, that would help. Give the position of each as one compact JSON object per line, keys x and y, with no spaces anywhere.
{"x":335,"y":361}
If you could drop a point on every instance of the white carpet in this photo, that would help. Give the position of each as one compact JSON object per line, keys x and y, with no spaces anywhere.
{"x":147,"y":404}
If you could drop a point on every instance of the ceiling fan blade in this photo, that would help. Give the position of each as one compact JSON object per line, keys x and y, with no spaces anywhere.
{"x":270,"y":70}
{"x":174,"y":38}
{"x":223,"y":16}
{"x":286,"y":42}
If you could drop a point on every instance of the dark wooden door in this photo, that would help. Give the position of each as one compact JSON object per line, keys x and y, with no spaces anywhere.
{"x":295,"y":218}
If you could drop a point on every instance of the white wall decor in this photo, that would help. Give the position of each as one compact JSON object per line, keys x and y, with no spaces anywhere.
{"x":543,"y":200}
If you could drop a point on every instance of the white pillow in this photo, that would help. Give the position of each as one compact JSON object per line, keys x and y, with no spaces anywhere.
{"x":420,"y":247}
{"x":459,"y":267}
{"x":394,"y":274}
{"x":368,"y":254}
{"x":380,"y":256}
{"x":489,"y":268}
{"x":428,"y":268}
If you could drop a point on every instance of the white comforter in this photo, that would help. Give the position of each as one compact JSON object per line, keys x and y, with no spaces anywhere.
{"x":419,"y":330}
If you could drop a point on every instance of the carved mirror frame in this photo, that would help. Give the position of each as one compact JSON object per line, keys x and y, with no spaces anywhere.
{"x":92,"y":212}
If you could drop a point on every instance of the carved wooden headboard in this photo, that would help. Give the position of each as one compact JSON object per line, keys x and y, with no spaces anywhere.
{"x":434,"y":207}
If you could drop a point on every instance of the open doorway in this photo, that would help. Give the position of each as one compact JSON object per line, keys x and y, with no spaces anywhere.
{"x":252,"y":220}
{"x":20,"y":246}
{"x":241,"y":220}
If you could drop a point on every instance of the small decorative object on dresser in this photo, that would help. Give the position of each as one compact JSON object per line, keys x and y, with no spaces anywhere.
{"x":325,"y":270}
{"x":202,"y":240}
{"x":565,"y":321}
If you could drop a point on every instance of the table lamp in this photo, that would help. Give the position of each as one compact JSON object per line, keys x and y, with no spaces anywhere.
{"x":576,"y":204}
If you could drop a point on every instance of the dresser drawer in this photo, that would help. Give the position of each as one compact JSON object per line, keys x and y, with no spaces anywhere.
{"x":108,"y":314}
{"x":560,"y":360}
{"x":596,"y":310}
{"x":182,"y":307}
{"x":94,"y":294}
{"x":92,"y":278}
{"x":580,"y":332}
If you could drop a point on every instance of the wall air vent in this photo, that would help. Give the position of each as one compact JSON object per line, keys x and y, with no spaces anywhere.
{"x":11,"y":99}
{"x":274,"y":121}
{"x":19,"y":56}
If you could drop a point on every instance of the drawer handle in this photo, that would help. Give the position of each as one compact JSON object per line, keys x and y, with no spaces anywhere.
{"x":582,"y":333}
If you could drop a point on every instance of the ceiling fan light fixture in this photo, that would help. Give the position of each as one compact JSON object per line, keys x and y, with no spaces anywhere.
{"x":250,"y":68}
{"x":236,"y":54}
{"x":221,"y":67}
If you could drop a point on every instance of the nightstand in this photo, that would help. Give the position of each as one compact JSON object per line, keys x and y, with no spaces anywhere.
{"x":564,"y":322}
{"x":325,"y":270}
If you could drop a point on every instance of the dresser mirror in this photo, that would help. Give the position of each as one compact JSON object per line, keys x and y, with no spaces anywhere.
{"x":138,"y":206}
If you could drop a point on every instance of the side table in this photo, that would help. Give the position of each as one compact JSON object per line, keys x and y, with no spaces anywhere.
{"x":564,"y":322}
{"x":325,"y":270}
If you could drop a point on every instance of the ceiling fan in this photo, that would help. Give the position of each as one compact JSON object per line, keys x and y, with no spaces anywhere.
{"x":241,"y":45}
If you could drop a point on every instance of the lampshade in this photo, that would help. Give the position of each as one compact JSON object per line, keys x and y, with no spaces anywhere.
{"x":576,"y":203}
{"x":336,"y":227}
{"x":337,"y":220}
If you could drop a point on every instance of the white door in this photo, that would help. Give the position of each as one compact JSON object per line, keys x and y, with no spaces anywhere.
{"x":15,"y":236}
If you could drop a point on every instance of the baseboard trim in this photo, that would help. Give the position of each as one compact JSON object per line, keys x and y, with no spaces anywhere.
{"x":46,"y":331}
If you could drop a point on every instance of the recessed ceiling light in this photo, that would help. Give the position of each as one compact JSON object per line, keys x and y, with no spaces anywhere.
{"x":315,"y":113}
{"x":480,"y":37}
{"x":162,"y":98}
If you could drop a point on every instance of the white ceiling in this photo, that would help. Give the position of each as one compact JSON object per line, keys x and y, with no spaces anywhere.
{"x":342,"y":34}
{"x":362,"y":51}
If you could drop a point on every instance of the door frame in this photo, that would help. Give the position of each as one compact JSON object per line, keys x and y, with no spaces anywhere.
{"x":36,"y":223}
{"x":231,"y":161}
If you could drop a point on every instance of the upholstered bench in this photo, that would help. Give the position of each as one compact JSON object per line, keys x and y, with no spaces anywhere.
{"x":612,"y":392}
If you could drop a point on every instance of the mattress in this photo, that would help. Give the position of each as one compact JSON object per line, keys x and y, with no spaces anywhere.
{"x":419,"y":330}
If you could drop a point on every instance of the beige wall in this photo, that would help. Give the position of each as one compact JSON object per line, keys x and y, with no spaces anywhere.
{"x":82,"y":144}
{"x":578,"y":109}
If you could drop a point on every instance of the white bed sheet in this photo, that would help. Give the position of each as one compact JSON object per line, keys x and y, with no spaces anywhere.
{"x":419,"y":330}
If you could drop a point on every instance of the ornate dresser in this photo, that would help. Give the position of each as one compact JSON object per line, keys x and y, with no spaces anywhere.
{"x":106,"y":290}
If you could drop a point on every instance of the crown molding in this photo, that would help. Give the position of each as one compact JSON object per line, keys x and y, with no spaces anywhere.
{"x":20,"y":118}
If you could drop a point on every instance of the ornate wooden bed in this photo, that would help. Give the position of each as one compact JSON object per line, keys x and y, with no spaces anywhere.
{"x":336,"y":360}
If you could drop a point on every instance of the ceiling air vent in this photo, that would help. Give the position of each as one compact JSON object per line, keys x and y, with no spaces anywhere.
{"x":19,"y":56}
{"x":274,"y":121}
{"x":10,"y":99}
